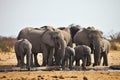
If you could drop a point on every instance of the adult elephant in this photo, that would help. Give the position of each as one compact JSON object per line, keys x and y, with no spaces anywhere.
{"x":105,"y":48}
{"x":67,"y":35}
{"x":43,"y":41}
{"x":23,"y":47}
{"x":69,"y":32}
{"x":88,"y":37}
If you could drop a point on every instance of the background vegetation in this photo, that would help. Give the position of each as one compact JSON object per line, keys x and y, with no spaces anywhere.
{"x":7,"y":43}
{"x":115,"y":41}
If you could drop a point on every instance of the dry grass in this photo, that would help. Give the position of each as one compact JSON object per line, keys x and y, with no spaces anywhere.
{"x":10,"y":59}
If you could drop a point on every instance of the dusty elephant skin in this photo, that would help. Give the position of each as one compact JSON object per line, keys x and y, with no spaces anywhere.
{"x":88,"y":37}
{"x":69,"y":57}
{"x":105,"y":49}
{"x":23,"y":47}
{"x":43,"y":40}
{"x":82,"y":52}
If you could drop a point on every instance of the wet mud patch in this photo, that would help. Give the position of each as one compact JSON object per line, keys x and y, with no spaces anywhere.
{"x":115,"y":67}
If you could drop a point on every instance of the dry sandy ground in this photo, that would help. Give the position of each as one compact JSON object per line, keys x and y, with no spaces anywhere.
{"x":8,"y":59}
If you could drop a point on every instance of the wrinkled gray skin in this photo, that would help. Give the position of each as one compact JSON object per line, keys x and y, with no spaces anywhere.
{"x":105,"y":48}
{"x":88,"y":37}
{"x":69,"y":57}
{"x":67,"y":35}
{"x":23,"y":47}
{"x":43,"y":40}
{"x":82,"y":52}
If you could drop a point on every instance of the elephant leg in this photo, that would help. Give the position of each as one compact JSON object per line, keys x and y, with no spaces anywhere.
{"x":18,"y":60}
{"x":84,"y":61}
{"x":50,"y":57}
{"x":59,"y":57}
{"x":63,"y":62}
{"x":28,"y":59}
{"x":44,"y":60}
{"x":105,"y":60}
{"x":31,"y":64}
{"x":67,"y":62}
{"x":45,"y":54}
{"x":88,"y":62}
{"x":36,"y":60}
{"x":78,"y":62}
{"x":100,"y":59}
{"x":71,"y":62}
{"x":22,"y":60}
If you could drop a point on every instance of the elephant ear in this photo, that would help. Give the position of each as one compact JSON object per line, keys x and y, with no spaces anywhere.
{"x":54,"y":34}
{"x":94,"y":33}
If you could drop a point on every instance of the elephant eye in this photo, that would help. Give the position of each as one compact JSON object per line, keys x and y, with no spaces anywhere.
{"x":56,"y":38}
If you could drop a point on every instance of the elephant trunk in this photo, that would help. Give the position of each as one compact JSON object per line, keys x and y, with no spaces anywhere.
{"x":58,"y":44}
{"x":60,"y":52}
{"x":97,"y":52}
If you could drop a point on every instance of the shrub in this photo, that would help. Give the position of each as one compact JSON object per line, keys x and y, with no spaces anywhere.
{"x":6,"y":44}
{"x":115,"y":41}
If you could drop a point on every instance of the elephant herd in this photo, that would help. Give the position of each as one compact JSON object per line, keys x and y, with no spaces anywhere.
{"x":56,"y":46}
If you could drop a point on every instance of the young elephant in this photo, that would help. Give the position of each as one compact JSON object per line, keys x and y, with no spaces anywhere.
{"x":23,"y":47}
{"x":69,"y":57}
{"x":105,"y":48}
{"x":82,"y":52}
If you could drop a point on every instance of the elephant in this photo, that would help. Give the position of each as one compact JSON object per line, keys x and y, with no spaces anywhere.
{"x":73,"y":30}
{"x":69,"y":33}
{"x":90,"y":37}
{"x":69,"y":57}
{"x":67,"y":36}
{"x":44,"y":40}
{"x":23,"y":47}
{"x":82,"y":52}
{"x":105,"y":48}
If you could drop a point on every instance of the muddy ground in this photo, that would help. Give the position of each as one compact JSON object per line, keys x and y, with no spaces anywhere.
{"x":96,"y":73}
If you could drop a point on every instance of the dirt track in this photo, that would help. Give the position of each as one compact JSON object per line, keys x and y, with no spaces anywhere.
{"x":9,"y":59}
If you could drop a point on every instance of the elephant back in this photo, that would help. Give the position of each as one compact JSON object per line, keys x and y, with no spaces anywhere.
{"x":81,"y":38}
{"x":24,"y":33}
{"x":66,"y":34}
{"x":105,"y":45}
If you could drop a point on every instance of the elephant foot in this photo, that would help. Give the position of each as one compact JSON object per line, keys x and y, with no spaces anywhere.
{"x":36,"y":65}
{"x":83,"y":68}
{"x":71,"y":68}
{"x":94,"y":65}
{"x":105,"y":64}
{"x":23,"y":66}
{"x":28,"y":68}
{"x":88,"y":64}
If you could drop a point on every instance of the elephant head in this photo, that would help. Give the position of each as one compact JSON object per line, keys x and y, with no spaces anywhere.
{"x":90,"y":37}
{"x":55,"y":40}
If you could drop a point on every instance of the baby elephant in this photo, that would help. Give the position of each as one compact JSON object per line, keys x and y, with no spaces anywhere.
{"x":83,"y":52}
{"x":69,"y":57}
{"x":23,"y":47}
